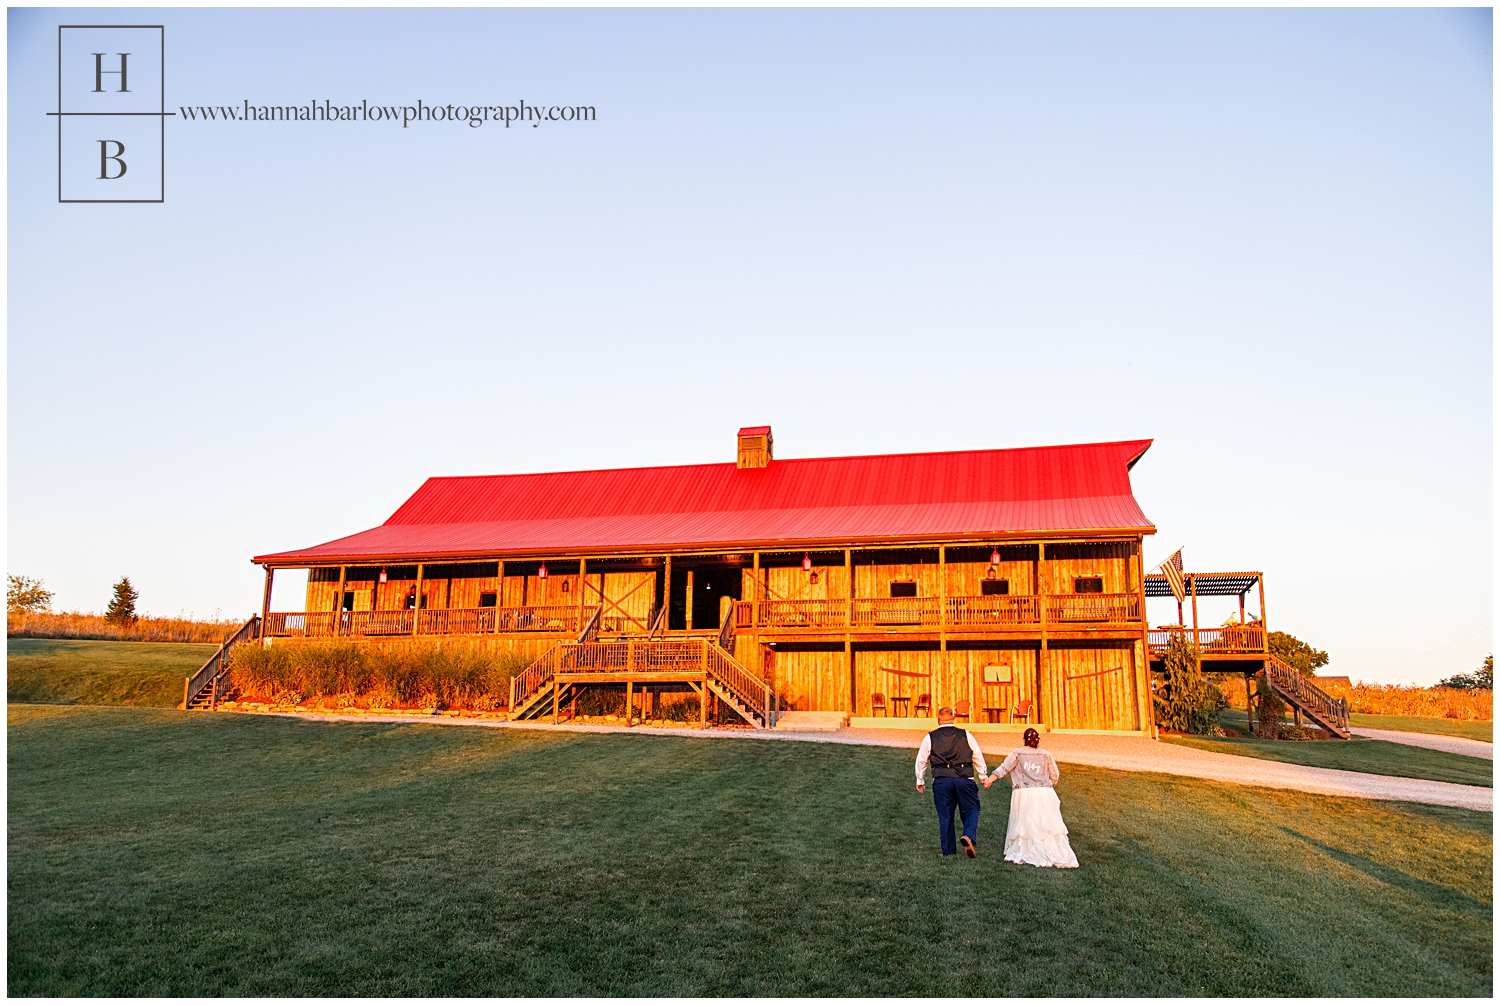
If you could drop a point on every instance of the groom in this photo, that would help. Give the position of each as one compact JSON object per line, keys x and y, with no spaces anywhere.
{"x":954,"y":754}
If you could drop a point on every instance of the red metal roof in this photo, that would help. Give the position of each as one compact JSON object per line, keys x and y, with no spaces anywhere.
{"x":976,"y":494}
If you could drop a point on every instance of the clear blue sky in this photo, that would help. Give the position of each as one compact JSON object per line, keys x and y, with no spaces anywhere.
{"x":1261,"y":237}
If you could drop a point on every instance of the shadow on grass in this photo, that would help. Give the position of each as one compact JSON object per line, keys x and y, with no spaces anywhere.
{"x":1433,"y":893}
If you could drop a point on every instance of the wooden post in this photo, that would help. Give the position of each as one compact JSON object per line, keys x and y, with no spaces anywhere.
{"x":1042,"y":702}
{"x":629,"y":700}
{"x":849,"y":631}
{"x":265,"y":601}
{"x":416,"y":602}
{"x":338,"y":601}
{"x":583,"y":589}
{"x":666,"y":597}
{"x":943,"y":599}
{"x":499,"y":592}
{"x":1193,"y":584}
{"x":755,"y":595}
{"x":554,"y":696}
{"x":849,"y":600}
{"x":185,"y":682}
{"x":1242,"y":608}
{"x":703,"y":704}
{"x":688,"y":598}
{"x":1265,"y":626}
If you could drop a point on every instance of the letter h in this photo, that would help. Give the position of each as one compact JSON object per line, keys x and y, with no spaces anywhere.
{"x":100,"y":71}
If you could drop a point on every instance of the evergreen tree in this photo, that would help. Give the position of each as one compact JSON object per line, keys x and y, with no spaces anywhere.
{"x":121,"y":609}
{"x":1185,"y":701}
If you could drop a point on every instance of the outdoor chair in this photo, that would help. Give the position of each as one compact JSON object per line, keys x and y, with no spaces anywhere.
{"x":877,"y":705}
{"x":961,"y":710}
{"x":1023,"y":711}
{"x":924,"y":706}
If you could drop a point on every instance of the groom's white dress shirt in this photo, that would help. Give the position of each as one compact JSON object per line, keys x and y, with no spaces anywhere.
{"x":925,"y":751}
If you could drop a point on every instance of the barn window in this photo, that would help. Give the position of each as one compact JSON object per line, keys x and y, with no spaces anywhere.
{"x":994,"y":587}
{"x":903,"y":589}
{"x":348,"y":601}
{"x":486,"y":600}
{"x":1088,"y":584}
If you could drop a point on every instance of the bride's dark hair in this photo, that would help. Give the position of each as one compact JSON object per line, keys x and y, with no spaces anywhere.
{"x":1031,"y":738}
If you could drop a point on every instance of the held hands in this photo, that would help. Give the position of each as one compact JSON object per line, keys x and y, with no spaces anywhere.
{"x":987,"y":781}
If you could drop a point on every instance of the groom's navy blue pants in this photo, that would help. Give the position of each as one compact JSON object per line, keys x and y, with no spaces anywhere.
{"x":963,"y":793}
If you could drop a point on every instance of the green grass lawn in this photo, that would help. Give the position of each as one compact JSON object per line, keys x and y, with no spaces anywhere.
{"x":1469,"y":730}
{"x":1378,"y":757}
{"x":76,"y":672}
{"x":166,"y":853}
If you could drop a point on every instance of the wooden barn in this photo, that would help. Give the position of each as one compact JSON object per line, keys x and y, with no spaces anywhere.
{"x":1009,"y":583}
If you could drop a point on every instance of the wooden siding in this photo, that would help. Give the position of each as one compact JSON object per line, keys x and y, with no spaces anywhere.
{"x":1092,"y":685}
{"x":1110,"y":562}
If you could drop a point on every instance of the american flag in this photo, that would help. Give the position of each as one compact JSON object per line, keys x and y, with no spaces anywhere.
{"x":1172,"y":569}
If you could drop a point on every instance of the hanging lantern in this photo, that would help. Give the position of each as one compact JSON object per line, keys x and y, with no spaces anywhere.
{"x":995,"y":557}
{"x":806,"y":563}
{"x":541,"y":573}
{"x":382,"y":575}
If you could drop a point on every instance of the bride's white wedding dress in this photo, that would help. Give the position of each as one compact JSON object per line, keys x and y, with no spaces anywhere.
{"x":1037,"y":834}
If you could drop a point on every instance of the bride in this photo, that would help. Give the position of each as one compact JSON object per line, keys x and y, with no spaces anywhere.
{"x":1037,"y":834}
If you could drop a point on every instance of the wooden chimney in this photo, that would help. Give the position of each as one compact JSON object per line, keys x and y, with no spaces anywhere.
{"x":755,"y":447}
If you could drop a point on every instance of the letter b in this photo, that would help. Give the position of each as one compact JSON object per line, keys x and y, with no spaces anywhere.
{"x":105,"y":157}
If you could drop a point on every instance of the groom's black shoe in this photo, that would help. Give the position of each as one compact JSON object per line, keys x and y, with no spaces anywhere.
{"x":968,"y":846}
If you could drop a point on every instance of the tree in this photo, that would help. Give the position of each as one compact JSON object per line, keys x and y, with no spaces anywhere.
{"x":1482,"y":679}
{"x":1185,"y":701}
{"x":1294,"y":652}
{"x":121,"y":609}
{"x":24,"y":595}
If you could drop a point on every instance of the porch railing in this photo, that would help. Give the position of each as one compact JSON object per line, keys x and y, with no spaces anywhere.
{"x":1229,"y":640}
{"x":558,"y":619}
{"x":994,"y":610}
{"x":954,"y":612}
{"x":1074,"y":608}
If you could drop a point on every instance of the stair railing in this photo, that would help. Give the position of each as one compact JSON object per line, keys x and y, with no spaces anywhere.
{"x":1313,"y":699}
{"x":658,"y":623}
{"x":726,"y":630}
{"x":591,"y":627}
{"x":755,"y":694}
{"x":534,"y":678}
{"x":218,"y":664}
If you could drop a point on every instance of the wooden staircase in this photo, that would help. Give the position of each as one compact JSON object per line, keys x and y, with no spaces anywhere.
{"x":203,"y":691}
{"x":693,"y":660}
{"x":1329,"y":712}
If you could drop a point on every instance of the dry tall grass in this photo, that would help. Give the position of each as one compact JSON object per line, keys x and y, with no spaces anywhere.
{"x":395,"y":675}
{"x":1395,"y":699}
{"x":76,"y":625}
{"x":1388,"y":699}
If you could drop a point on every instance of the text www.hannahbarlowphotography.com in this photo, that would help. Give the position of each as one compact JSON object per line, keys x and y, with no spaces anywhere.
{"x":473,"y":116}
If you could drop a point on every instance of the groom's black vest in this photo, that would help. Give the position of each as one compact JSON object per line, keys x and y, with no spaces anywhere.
{"x":951,"y":756}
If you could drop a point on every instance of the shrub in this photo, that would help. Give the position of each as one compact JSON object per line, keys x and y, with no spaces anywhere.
{"x":1268,"y":709}
{"x":1296,"y":733}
